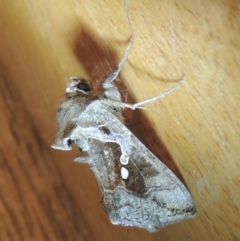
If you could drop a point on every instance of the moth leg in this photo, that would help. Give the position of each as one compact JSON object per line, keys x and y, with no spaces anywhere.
{"x":119,"y":104}
{"x":160,"y":96}
{"x":110,"y":90}
{"x":83,"y":146}
{"x":108,"y":83}
{"x":83,"y":158}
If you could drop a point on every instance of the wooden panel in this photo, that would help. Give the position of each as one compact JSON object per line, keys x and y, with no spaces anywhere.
{"x":195,"y":130}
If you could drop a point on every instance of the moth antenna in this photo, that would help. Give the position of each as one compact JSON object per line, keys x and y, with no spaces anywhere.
{"x":113,"y":75}
{"x":130,"y":44}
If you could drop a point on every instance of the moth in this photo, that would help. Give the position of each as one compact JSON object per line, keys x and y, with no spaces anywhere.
{"x":137,"y":188}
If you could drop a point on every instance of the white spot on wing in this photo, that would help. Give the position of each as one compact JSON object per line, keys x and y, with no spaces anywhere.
{"x":124,"y":173}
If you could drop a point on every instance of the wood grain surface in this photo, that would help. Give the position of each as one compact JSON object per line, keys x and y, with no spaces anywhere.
{"x":195,"y":130}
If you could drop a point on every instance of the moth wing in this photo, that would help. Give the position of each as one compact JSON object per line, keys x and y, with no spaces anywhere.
{"x":151,"y":196}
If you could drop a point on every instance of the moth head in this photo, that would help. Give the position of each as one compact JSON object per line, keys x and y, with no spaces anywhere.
{"x":79,"y":93}
{"x":78,"y":86}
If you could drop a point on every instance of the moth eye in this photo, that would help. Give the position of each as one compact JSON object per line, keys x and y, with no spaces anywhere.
{"x":70,"y":142}
{"x":83,"y":86}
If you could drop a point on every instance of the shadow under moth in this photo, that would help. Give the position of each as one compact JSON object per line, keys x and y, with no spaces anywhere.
{"x":137,"y":188}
